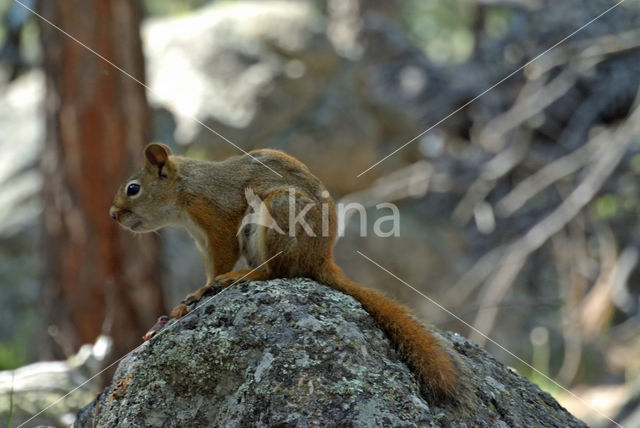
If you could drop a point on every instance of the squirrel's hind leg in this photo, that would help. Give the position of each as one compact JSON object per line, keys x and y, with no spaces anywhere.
{"x":227,"y":279}
{"x":219,"y":283}
{"x":287,"y":236}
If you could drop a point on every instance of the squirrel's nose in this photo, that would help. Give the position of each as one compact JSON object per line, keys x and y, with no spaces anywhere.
{"x":113,"y":212}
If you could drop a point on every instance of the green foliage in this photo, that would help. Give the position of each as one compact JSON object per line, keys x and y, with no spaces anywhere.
{"x":606,"y":206}
{"x":497,"y":22}
{"x":30,"y":51}
{"x":13,"y":352}
{"x":540,"y":359}
{"x":442,"y":28}
{"x":172,"y":7}
{"x":634,"y":164}
{"x":4,"y":5}
{"x":12,"y":355}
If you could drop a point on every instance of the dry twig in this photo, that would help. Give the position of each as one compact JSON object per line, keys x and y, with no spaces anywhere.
{"x":499,"y":283}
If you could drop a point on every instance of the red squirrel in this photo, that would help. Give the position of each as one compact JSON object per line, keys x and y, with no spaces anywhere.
{"x":210,"y":199}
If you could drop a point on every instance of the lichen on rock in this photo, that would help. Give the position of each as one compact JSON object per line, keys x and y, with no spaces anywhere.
{"x":297,"y":353}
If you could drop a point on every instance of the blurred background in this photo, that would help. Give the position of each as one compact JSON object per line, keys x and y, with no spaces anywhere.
{"x":519,"y":213}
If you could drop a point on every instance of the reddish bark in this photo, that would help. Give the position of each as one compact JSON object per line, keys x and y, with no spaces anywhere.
{"x":99,"y":278}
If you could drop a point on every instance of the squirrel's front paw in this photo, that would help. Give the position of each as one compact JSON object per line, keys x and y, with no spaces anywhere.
{"x":159,"y":325}
{"x":190,"y":299}
{"x":179,"y":311}
{"x":198,"y":294}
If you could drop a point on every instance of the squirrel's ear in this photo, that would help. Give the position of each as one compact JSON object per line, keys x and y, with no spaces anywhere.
{"x":157,"y":158}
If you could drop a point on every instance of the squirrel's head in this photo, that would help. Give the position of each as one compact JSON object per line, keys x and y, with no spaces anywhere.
{"x":146,"y":201}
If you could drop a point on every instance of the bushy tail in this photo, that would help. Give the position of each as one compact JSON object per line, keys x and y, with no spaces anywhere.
{"x":422,"y":351}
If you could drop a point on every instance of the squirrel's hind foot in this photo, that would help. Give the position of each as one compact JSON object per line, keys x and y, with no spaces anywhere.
{"x":227,"y":279}
{"x":179,"y":311}
{"x":219,"y":283}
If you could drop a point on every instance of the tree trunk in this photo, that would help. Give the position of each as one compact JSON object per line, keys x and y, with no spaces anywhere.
{"x":99,"y":279}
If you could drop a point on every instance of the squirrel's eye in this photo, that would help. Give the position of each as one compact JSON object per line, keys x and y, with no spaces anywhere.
{"x":133,"y":189}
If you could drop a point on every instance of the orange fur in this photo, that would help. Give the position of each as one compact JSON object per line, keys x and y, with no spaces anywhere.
{"x":208,"y":199}
{"x":424,"y":352}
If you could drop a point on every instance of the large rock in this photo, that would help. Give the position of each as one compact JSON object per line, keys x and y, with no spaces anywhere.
{"x":296,"y":353}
